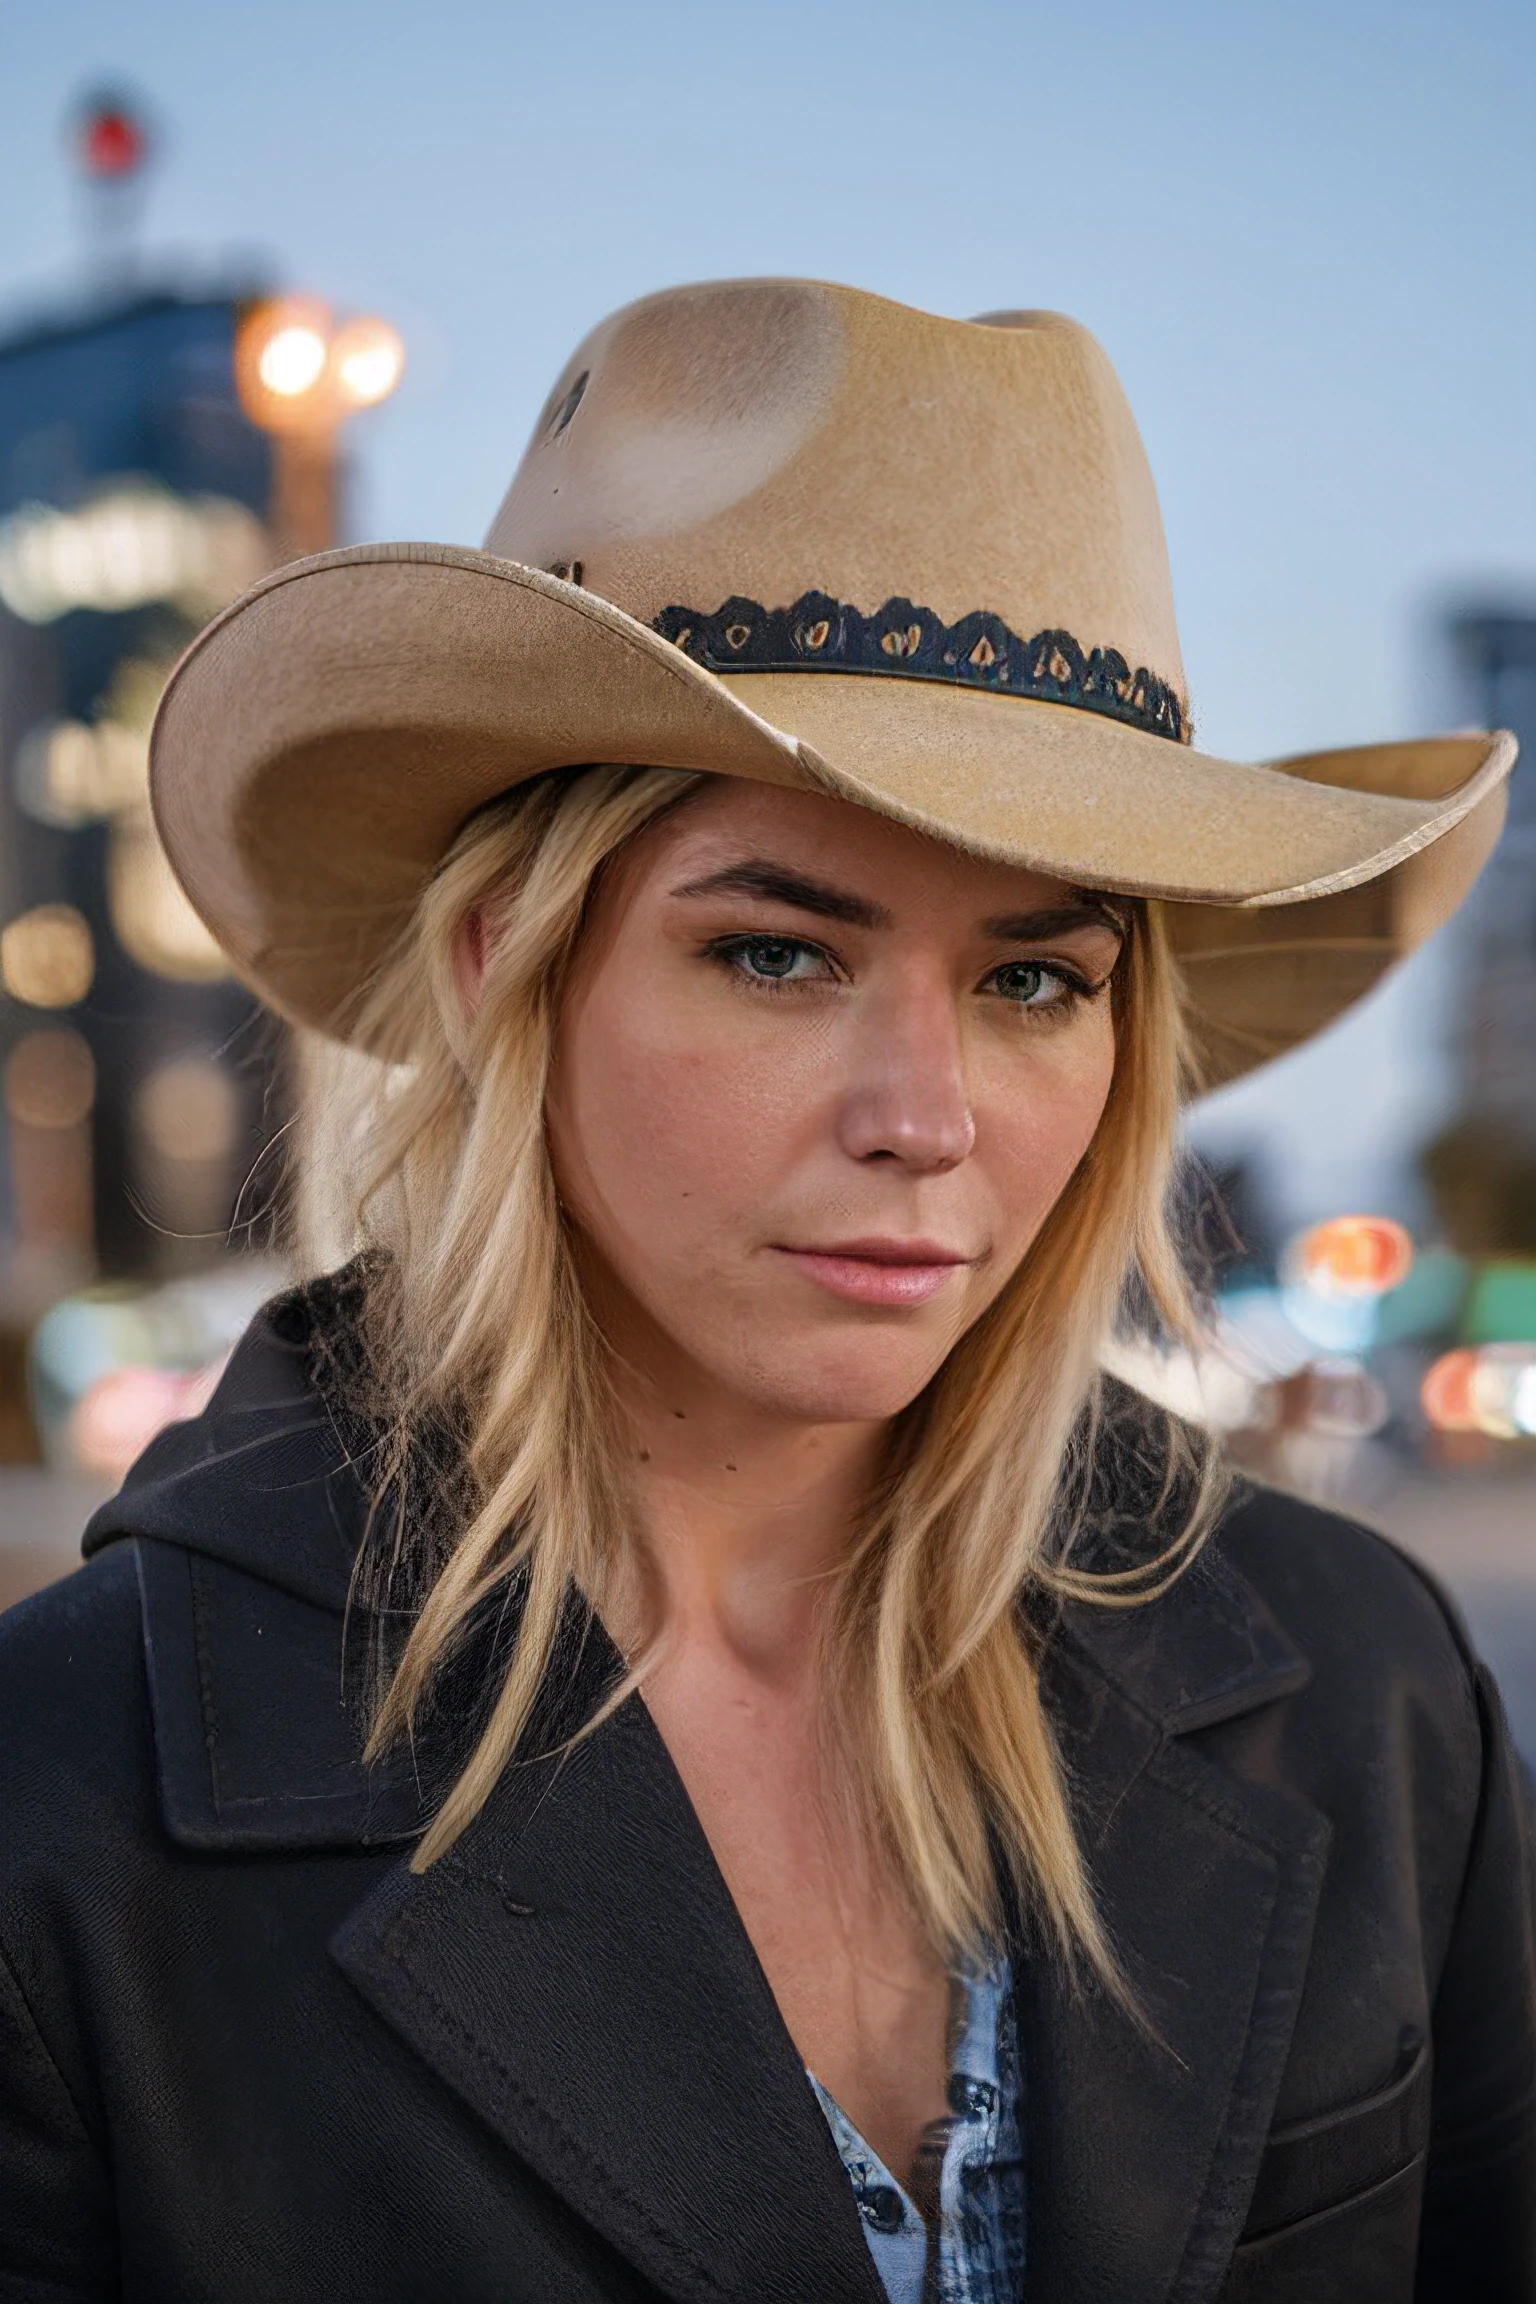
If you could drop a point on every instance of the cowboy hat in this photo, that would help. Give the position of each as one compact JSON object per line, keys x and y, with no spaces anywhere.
{"x":794,"y":532}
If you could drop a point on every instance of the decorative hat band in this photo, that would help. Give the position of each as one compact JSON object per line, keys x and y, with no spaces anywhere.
{"x":819,"y":633}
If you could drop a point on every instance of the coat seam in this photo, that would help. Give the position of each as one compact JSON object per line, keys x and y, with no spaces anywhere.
{"x":205,"y":1682}
{"x":572,"y":2150}
{"x":18,"y":1992}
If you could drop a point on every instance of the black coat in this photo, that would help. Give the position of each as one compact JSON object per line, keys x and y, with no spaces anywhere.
{"x":246,"y":2057}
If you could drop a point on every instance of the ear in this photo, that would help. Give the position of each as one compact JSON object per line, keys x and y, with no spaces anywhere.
{"x":469,"y":957}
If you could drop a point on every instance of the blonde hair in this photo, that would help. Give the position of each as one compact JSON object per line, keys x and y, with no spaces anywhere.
{"x":477,"y":1328}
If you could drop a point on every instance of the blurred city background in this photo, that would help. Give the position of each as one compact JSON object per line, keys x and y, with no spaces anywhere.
{"x":276,"y":279}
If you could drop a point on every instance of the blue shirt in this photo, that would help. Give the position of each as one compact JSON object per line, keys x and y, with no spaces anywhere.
{"x":978,"y":2227}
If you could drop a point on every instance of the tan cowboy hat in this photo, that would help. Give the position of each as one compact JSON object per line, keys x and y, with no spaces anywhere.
{"x":788,"y":531}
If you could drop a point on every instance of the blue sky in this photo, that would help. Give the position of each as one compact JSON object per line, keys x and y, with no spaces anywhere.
{"x":1304,"y":233}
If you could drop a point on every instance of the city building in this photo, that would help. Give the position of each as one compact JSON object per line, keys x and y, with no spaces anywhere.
{"x":134,"y":494}
{"x":1494,"y":655}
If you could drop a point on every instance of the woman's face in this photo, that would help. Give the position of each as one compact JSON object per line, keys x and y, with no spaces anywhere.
{"x":818,"y":1081}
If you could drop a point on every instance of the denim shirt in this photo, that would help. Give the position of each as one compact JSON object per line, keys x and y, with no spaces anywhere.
{"x":978,"y":2220}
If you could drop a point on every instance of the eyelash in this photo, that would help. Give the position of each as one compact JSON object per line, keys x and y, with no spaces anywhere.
{"x":729,"y":952}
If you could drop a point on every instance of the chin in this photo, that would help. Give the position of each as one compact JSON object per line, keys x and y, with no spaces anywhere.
{"x":860,"y":1380}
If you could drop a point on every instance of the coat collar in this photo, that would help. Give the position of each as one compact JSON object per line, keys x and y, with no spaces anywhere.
{"x":576,"y":1970}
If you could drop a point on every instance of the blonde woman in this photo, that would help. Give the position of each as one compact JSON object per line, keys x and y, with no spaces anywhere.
{"x":668,"y":1734}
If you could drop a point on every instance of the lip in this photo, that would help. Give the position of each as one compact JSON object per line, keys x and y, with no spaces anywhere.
{"x":878,"y":1271}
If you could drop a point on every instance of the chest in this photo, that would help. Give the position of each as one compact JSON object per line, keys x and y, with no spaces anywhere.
{"x":863,"y":1992}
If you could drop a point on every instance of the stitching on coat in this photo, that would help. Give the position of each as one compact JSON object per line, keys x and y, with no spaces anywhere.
{"x":575,"y":2152}
{"x":205,"y":1680}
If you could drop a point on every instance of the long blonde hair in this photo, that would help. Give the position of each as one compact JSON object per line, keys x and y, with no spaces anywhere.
{"x":477,"y":1327}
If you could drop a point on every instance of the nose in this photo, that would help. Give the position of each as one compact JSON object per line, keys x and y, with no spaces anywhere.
{"x":907,"y":1098}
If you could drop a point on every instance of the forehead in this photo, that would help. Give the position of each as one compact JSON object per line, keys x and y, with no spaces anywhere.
{"x":833,"y":841}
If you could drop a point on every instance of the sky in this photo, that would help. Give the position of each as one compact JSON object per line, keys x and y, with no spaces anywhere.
{"x":1303,"y":233}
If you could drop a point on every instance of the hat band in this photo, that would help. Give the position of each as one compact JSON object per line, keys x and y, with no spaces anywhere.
{"x":820,"y":634}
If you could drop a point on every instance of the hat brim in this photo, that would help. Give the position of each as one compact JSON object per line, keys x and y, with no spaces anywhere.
{"x":324,"y":739}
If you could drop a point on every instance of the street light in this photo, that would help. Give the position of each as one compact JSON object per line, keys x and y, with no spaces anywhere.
{"x":368,"y":360}
{"x":300,"y":376}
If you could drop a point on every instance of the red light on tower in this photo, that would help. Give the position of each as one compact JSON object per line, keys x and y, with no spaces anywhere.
{"x":111,"y":139}
{"x":112,"y":143}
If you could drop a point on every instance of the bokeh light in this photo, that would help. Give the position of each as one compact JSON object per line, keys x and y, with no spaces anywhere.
{"x":1354,"y":1256}
{"x":292,"y":361}
{"x":50,"y":1080}
{"x":1446,"y":1392}
{"x":48,"y":957}
{"x":188,"y":1110}
{"x":282,"y":351}
{"x":125,"y":1408}
{"x":368,"y":361}
{"x":134,"y":543}
{"x":1503,"y":1390}
{"x":154,"y":922}
{"x":1490,"y":1389}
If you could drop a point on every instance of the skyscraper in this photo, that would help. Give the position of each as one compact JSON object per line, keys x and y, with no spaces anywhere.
{"x":133,"y":503}
{"x":1483,"y":1167}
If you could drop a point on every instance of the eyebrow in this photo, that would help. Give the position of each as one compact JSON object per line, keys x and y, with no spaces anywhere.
{"x":781,"y":886}
{"x":777,"y":884}
{"x":1059,"y":920}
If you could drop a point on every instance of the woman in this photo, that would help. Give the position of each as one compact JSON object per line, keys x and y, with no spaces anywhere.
{"x":667,"y":1735}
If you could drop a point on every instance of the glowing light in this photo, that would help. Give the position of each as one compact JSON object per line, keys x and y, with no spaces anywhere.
{"x":188,"y":1110}
{"x":1491,"y":1390}
{"x":1522,"y":1401}
{"x":67,"y":773}
{"x":1446,"y":1393}
{"x":154,"y":922}
{"x":297,"y":372}
{"x":367,"y":361}
{"x":124,"y":1410}
{"x":129,"y":546}
{"x":50,"y":1080}
{"x":112,"y":142}
{"x":292,"y":361}
{"x":282,"y":355}
{"x":47,"y":957}
{"x":1503,"y":1377}
{"x":1353,"y":1256}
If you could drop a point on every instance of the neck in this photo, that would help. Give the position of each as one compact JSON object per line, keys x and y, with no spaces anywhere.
{"x":746,"y":1517}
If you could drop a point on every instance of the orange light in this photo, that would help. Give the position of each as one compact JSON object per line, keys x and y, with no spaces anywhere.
{"x":297,"y":372}
{"x":282,"y":357}
{"x":1446,"y":1394}
{"x":291,"y":362}
{"x":1355,"y":1256}
{"x":367,"y":362}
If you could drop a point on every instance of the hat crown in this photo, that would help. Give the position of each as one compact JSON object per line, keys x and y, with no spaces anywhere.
{"x":757,"y":441}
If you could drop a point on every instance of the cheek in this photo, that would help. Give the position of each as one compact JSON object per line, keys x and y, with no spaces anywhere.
{"x":670,"y":1134}
{"x":1035,"y":1122}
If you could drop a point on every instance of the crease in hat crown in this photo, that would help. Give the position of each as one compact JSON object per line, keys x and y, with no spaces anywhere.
{"x":795,"y":532}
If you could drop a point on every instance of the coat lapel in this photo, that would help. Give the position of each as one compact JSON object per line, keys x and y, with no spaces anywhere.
{"x":576,"y":1969}
{"x":1144,"y":2137}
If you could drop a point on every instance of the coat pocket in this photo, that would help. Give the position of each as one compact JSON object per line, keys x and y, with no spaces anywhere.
{"x":1319,"y":2164}
{"x":1362,"y":2250}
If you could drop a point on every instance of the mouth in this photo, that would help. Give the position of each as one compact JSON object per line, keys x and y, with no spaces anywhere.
{"x":879,"y":1271}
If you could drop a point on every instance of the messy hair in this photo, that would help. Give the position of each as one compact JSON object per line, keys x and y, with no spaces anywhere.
{"x":434,"y":1158}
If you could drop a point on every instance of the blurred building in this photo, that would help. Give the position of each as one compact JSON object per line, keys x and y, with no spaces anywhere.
{"x":134,"y":494}
{"x":1482,"y":1166}
{"x":1495,"y":657}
